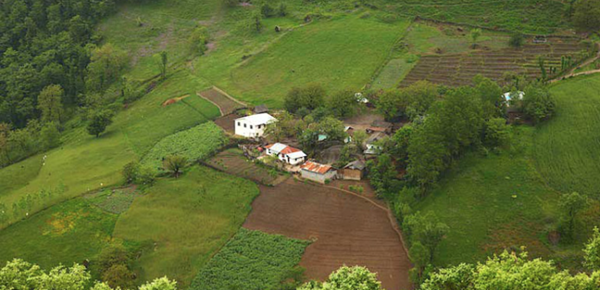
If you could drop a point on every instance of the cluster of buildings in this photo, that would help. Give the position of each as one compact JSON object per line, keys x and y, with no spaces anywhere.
{"x":254,"y":126}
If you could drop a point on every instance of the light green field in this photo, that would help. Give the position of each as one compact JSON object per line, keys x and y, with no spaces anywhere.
{"x":567,"y":147}
{"x":66,"y":233}
{"x":187,"y":220}
{"x":341,"y":53}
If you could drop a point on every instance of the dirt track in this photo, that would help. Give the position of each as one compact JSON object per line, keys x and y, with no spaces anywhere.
{"x":348,"y":230}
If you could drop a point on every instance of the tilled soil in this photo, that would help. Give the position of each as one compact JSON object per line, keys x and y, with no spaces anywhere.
{"x":346,"y":229}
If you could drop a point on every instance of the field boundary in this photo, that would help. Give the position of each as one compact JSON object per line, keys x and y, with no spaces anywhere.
{"x":388,"y":58}
{"x":224,"y":94}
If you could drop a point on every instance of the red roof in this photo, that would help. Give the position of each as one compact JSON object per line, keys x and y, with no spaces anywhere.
{"x":316,"y":167}
{"x":289,"y":150}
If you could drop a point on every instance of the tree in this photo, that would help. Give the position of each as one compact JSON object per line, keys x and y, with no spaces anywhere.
{"x":105,"y":66}
{"x":586,"y":16}
{"x":332,"y":128}
{"x":346,"y":278}
{"x":516,"y":40}
{"x":425,"y":229}
{"x":475,"y":34}
{"x":570,"y":205}
{"x":175,"y":163}
{"x":538,"y":103}
{"x":50,"y":135}
{"x":267,"y":10}
{"x":133,"y":172}
{"x":198,"y":40}
{"x":162,"y":64}
{"x":491,"y":96}
{"x":310,"y":97}
{"x":358,"y":139}
{"x":282,"y":9}
{"x":496,"y":132}
{"x":419,"y":256}
{"x":160,"y":284}
{"x":592,"y":251}
{"x":342,"y":104}
{"x":401,"y":139}
{"x":50,"y":103}
{"x":118,"y":275}
{"x":99,"y":121}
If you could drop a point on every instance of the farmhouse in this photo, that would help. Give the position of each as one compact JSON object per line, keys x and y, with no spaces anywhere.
{"x":285,"y":153}
{"x":317,"y":172}
{"x":511,"y":97}
{"x":371,"y":143}
{"x":253,"y":126}
{"x":352,"y":171}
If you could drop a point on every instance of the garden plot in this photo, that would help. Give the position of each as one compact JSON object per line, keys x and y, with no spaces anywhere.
{"x":460,"y":69}
{"x":346,"y":229}
{"x":234,"y":162}
{"x":226,"y":103}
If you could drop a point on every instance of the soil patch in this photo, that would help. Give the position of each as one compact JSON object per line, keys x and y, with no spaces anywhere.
{"x":174,"y":100}
{"x":347,"y":230}
{"x":226,"y":103}
{"x":227,"y":122}
{"x":233,"y":161}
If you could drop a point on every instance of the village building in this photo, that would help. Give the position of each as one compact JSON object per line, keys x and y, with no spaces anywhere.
{"x":285,"y":153}
{"x":317,"y":172}
{"x":261,"y":109}
{"x":371,"y":143}
{"x":253,"y":126}
{"x":518,"y":96}
{"x":352,"y":171}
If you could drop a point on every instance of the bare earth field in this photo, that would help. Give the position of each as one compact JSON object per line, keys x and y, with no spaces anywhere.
{"x":345,"y":229}
{"x":459,"y":69}
{"x":226,"y":104}
{"x":227,"y":122}
{"x":234,"y":162}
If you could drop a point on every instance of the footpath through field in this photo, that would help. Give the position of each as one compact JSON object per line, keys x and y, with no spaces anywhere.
{"x":346,"y":230}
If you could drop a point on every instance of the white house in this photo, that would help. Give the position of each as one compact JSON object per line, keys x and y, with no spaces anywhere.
{"x":287,"y":154}
{"x":317,"y":172}
{"x":253,"y":126}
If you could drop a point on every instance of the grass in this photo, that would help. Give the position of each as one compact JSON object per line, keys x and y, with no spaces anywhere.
{"x":113,"y":200}
{"x":194,"y":144}
{"x":341,"y":53}
{"x":66,"y":233}
{"x":567,"y":146}
{"x":251,"y":260}
{"x":531,"y":16}
{"x":187,"y":219}
{"x":493,"y":203}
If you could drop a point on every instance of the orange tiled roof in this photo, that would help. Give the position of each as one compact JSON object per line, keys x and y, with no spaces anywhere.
{"x":316,"y":167}
{"x":289,"y":150}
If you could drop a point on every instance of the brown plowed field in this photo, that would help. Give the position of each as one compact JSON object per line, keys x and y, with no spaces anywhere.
{"x":347,"y":230}
{"x":226,"y":104}
{"x":234,"y":162}
{"x":459,"y":69}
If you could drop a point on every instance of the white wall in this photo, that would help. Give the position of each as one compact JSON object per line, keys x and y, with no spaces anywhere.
{"x":255,"y":131}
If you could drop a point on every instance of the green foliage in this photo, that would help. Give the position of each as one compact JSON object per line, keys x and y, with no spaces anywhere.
{"x":175,"y":164}
{"x":571,"y":204}
{"x":198,"y":40}
{"x":538,"y":103}
{"x":509,"y":271}
{"x":496,"y":132}
{"x":516,"y":40}
{"x":592,"y":252}
{"x":194,"y":144}
{"x":251,"y":260}
{"x":411,"y":102}
{"x":50,"y":103}
{"x":106,"y":65}
{"x":163,"y":63}
{"x":118,"y":275}
{"x":475,"y":34}
{"x":134,"y":172}
{"x":425,"y":229}
{"x":310,"y":97}
{"x":342,"y":104}
{"x":267,"y":10}
{"x":50,"y":135}
{"x":99,"y":121}
{"x":586,"y":16}
{"x":347,"y":278}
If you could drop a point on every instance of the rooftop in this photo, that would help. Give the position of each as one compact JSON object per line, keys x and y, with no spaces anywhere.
{"x":258,"y":119}
{"x":315,"y":167}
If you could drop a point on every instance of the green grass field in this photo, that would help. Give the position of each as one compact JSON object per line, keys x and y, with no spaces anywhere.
{"x":187,"y":220}
{"x":566,"y":147}
{"x":491,"y":203}
{"x":66,"y":233}
{"x":251,"y":260}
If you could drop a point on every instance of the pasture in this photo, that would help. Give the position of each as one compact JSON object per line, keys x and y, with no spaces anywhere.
{"x":346,"y":229}
{"x":186,"y":220}
{"x":251,"y":260}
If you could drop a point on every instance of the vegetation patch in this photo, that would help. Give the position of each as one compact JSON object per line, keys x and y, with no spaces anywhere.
{"x":194,"y":144}
{"x":251,"y":260}
{"x":234,"y":162}
{"x":113,"y":200}
{"x":185,"y":220}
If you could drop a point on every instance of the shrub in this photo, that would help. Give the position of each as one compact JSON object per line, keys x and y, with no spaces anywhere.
{"x":267,"y":10}
{"x":516,"y":40}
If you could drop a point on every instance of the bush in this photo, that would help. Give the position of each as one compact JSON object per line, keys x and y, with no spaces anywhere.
{"x":133,"y":172}
{"x":267,"y":10}
{"x":516,"y":40}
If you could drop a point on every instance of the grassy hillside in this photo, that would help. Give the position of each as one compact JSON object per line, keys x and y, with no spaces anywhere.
{"x":567,"y":147}
{"x":186,"y":220}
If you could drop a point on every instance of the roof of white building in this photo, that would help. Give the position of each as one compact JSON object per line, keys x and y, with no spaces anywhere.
{"x":297,"y":154}
{"x":277,"y":147}
{"x":258,"y":119}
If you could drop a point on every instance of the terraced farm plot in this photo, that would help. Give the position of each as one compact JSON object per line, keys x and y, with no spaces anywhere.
{"x":459,"y":69}
{"x":234,"y":162}
{"x":346,"y":229}
{"x":225,"y":103}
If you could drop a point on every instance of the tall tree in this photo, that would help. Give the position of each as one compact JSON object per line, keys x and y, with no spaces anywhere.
{"x":99,"y":121}
{"x":571,"y":204}
{"x":50,"y":103}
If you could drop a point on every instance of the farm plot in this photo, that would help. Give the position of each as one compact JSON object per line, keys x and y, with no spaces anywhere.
{"x":233,"y":162}
{"x":226,"y":104}
{"x":345,"y":229}
{"x":459,"y":69}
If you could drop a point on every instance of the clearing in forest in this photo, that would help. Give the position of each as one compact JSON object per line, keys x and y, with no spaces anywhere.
{"x":346,"y":229}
